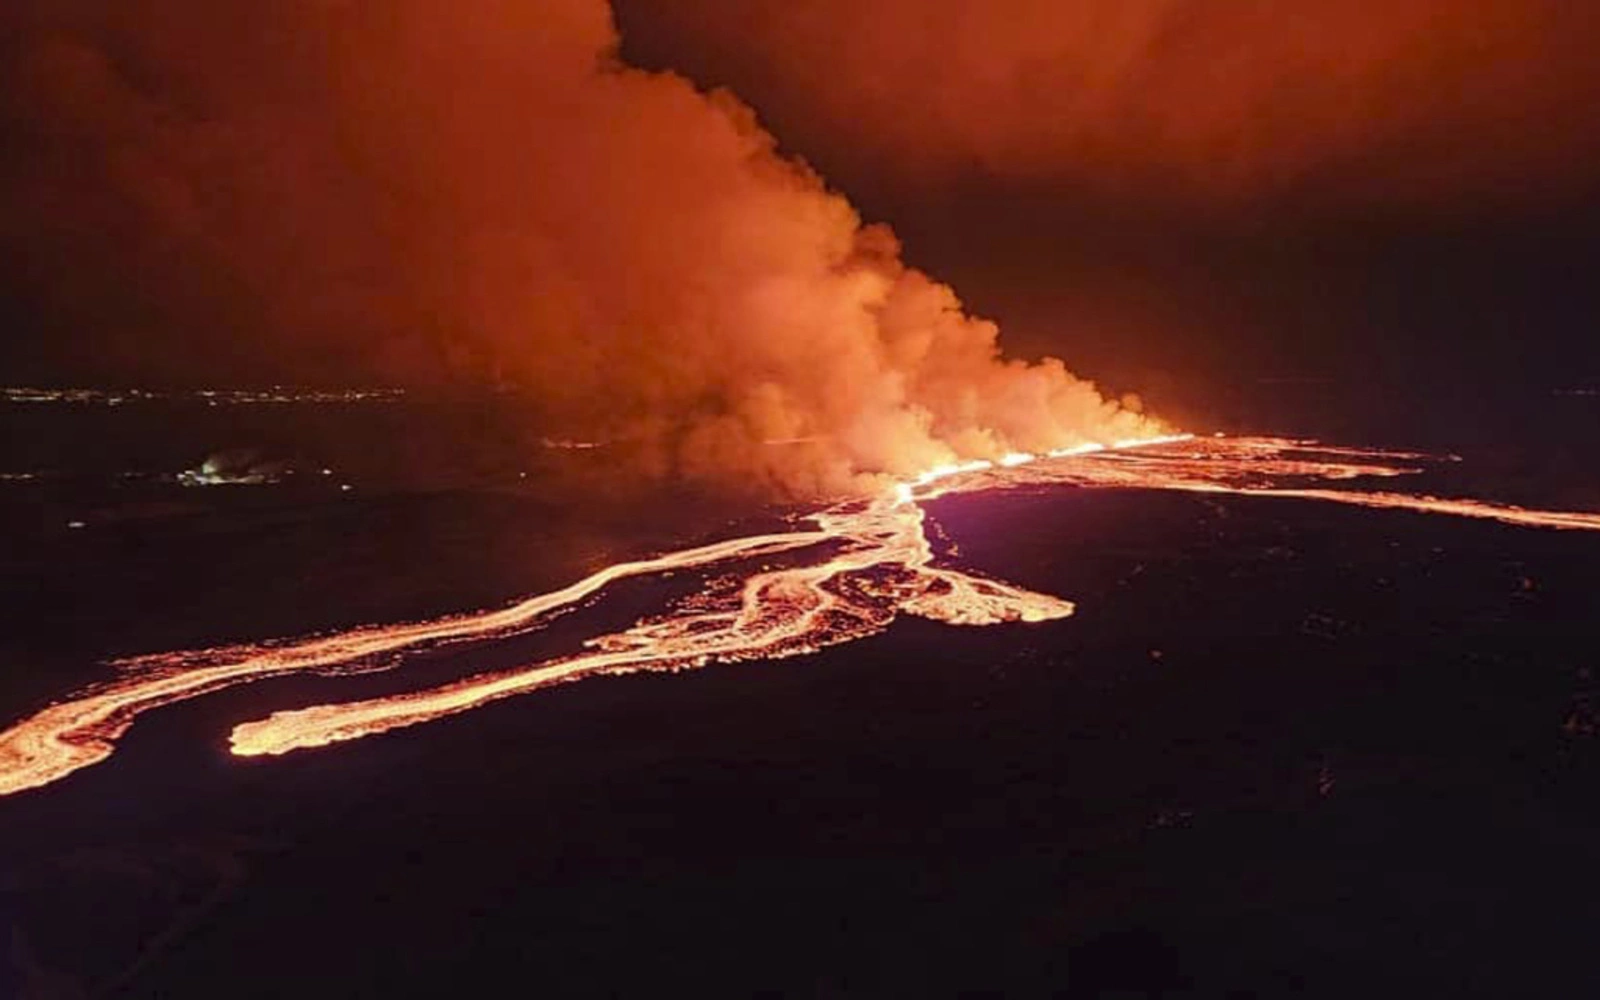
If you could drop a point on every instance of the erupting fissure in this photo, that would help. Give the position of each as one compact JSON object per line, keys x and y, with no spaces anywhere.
{"x":861,"y":564}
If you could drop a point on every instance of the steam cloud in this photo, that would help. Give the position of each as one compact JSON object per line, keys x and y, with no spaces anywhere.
{"x":1190,"y":100}
{"x":484,"y":189}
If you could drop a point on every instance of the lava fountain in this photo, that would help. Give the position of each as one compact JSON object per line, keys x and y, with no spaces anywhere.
{"x":848,"y":575}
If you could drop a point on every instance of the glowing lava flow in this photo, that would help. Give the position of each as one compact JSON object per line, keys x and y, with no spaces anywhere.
{"x":1279,"y":467}
{"x":82,"y":731}
{"x":883,"y":568}
{"x":865,"y":563}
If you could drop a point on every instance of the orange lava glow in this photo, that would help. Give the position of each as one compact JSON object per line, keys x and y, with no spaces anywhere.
{"x":862,"y":564}
{"x":83,"y":730}
{"x":1280,"y":467}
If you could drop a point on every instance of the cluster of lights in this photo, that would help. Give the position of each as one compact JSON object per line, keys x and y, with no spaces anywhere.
{"x":566,"y":444}
{"x":212,"y":397}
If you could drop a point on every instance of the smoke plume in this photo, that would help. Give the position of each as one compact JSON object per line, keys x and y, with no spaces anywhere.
{"x":485,"y":191}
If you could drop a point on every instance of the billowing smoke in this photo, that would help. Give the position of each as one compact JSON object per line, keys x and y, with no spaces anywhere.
{"x":1173,"y":100}
{"x":484,"y":191}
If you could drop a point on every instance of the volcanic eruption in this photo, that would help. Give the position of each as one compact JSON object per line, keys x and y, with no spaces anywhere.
{"x":862,"y":562}
{"x":493,"y":196}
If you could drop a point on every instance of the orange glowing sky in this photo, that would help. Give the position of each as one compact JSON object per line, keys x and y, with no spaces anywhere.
{"x":1406,"y":99}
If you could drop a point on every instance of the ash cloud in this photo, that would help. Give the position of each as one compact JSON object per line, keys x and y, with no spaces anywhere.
{"x":486,"y":192}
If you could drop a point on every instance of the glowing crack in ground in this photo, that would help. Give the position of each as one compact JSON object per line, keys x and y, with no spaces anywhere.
{"x":864,"y":563}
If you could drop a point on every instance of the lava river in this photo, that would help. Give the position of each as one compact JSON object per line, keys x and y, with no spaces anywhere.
{"x":849,"y":574}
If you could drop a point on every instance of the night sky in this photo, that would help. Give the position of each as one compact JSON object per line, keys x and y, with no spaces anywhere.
{"x":1173,"y":197}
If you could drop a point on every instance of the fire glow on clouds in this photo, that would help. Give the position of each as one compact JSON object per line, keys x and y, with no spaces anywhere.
{"x":493,"y":193}
{"x":1446,"y":102}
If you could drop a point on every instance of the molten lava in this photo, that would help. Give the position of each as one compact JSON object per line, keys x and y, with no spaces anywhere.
{"x":861,"y":564}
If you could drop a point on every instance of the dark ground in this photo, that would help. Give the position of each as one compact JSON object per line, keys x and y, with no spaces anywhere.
{"x":1283,"y":749}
